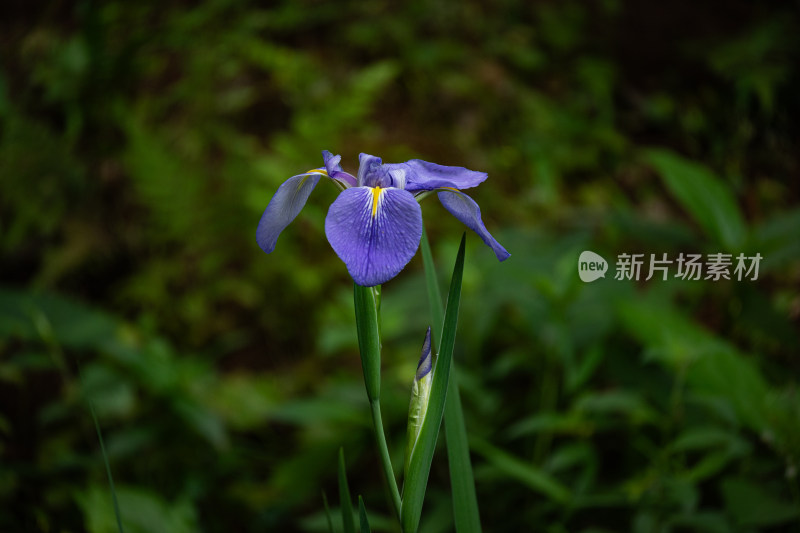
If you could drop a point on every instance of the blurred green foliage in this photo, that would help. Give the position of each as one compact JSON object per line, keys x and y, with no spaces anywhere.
{"x":140,"y":141}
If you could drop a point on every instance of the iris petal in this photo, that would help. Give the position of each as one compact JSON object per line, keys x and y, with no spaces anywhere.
{"x":368,"y":167}
{"x":374,"y":231}
{"x":289,"y":199}
{"x":332,"y":162}
{"x":345,"y":178}
{"x":424,"y":176}
{"x":334,"y":169}
{"x":467,"y":211}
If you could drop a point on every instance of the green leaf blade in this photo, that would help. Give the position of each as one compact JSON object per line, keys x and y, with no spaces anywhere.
{"x":328,"y":515}
{"x":362,"y":514}
{"x":466,"y":513}
{"x":523,"y":472}
{"x":462,"y":482}
{"x":345,"y":501}
{"x":107,"y":465}
{"x":705,"y":197}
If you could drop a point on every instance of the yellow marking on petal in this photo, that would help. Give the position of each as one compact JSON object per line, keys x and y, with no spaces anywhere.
{"x":376,"y":194}
{"x":317,"y":171}
{"x":451,"y":188}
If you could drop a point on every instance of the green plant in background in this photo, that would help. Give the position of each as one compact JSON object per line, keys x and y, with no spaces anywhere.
{"x":139,"y":141}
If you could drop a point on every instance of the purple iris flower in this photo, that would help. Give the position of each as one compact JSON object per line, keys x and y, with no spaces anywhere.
{"x":375,"y":224}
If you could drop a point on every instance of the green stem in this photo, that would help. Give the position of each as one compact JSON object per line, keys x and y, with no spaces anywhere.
{"x":365,"y":301}
{"x":386,"y":462}
{"x":434,"y":294}
{"x":367,"y":308}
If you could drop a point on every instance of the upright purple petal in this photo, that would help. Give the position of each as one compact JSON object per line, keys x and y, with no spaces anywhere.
{"x":284,"y":206}
{"x":374,"y":231}
{"x":334,"y":169}
{"x":424,"y":176}
{"x":467,"y":211}
{"x":332,"y":162}
{"x":369,"y":167}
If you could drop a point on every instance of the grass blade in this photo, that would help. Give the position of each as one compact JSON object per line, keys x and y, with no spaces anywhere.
{"x":462,"y":483}
{"x":523,"y":471}
{"x":422,"y":456}
{"x":465,"y":501}
{"x":328,"y":513}
{"x":362,"y":514}
{"x":345,"y":501}
{"x":108,"y":467}
{"x":106,"y":463}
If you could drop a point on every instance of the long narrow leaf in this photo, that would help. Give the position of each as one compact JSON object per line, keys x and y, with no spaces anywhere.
{"x":523,"y":471}
{"x":117,"y":513}
{"x":362,"y":514}
{"x":422,"y":457}
{"x":706,"y":197}
{"x":462,"y":482}
{"x":465,"y":501}
{"x":345,"y":501}
{"x":106,"y":463}
{"x":328,"y":512}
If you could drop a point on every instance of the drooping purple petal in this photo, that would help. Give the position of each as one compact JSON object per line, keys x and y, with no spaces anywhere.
{"x":423,"y":176}
{"x":467,"y":211}
{"x":284,"y":206}
{"x":425,"y":360}
{"x":374,"y":231}
{"x":346,"y":179}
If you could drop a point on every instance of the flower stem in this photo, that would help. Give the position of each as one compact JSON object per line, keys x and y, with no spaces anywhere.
{"x":367,"y":308}
{"x":386,"y":463}
{"x":369,"y":337}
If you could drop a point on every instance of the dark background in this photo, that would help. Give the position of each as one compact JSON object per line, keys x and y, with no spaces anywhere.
{"x":140,"y":142}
